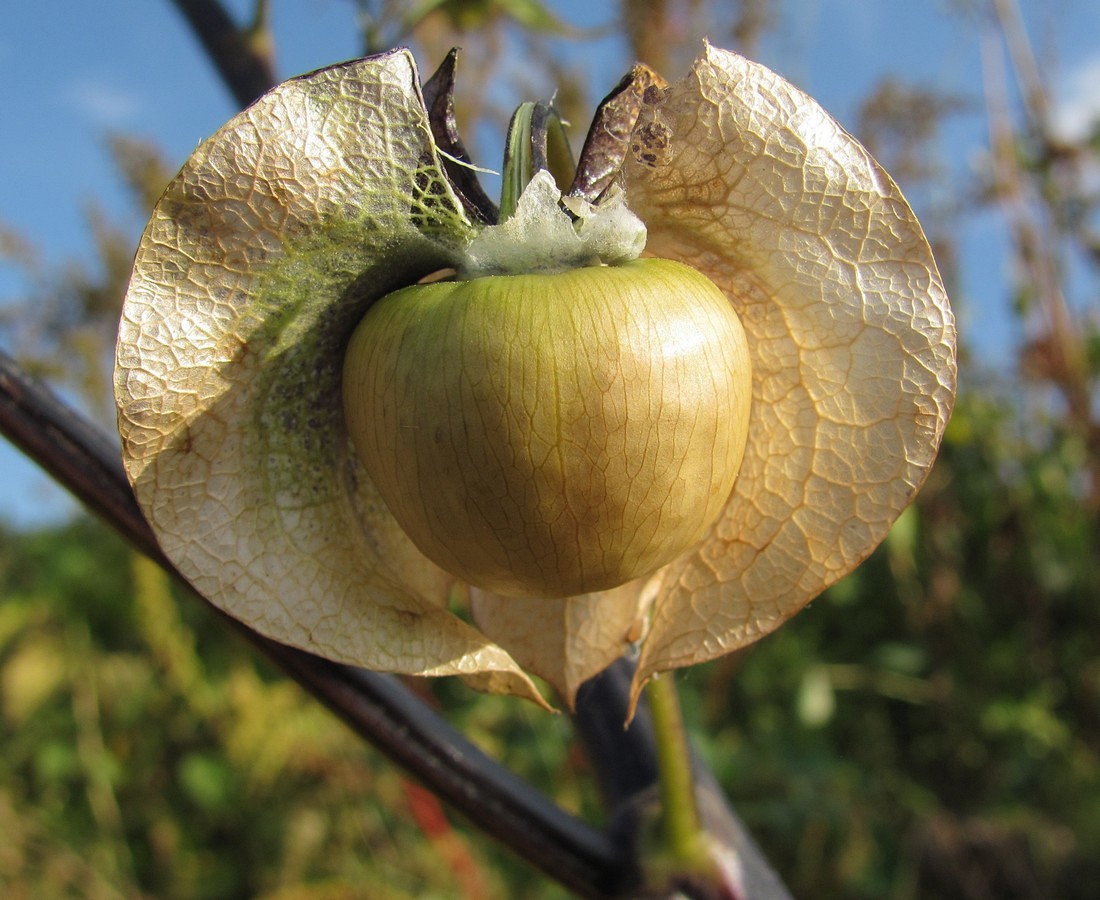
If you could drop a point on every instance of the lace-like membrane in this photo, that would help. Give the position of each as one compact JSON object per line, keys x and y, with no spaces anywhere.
{"x":288,"y":223}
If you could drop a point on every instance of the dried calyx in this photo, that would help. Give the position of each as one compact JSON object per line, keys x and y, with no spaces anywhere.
{"x":348,"y":184}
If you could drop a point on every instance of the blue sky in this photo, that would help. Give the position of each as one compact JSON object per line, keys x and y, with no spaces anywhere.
{"x":75,"y":72}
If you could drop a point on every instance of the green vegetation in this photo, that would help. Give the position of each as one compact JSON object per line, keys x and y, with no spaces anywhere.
{"x":148,"y":752}
{"x":929,"y":727}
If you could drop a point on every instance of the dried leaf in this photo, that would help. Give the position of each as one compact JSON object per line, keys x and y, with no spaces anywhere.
{"x":439,"y":100}
{"x":608,"y":140}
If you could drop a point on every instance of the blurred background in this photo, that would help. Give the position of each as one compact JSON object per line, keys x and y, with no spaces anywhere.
{"x":930,"y":727}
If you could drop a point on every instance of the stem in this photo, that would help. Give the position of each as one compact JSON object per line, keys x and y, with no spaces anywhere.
{"x":689,"y":851}
{"x":257,"y":38}
{"x":559,"y":155}
{"x":627,"y":769}
{"x":682,"y":835}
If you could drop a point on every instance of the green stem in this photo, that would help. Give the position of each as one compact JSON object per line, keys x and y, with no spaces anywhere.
{"x":683,"y":843}
{"x":680,"y":856}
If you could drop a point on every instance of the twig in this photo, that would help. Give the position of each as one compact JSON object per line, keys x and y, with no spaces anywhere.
{"x":1024,"y":64}
{"x":1035,"y":246}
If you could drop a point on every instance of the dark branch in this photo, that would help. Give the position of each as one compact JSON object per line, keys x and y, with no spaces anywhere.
{"x":83,"y":459}
{"x":241,"y":55}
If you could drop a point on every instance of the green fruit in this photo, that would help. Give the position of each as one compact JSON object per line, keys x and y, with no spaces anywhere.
{"x":551,"y":435}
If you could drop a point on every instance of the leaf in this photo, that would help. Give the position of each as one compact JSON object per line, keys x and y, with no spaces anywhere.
{"x":743,"y":176}
{"x":259,"y":260}
{"x":608,"y":139}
